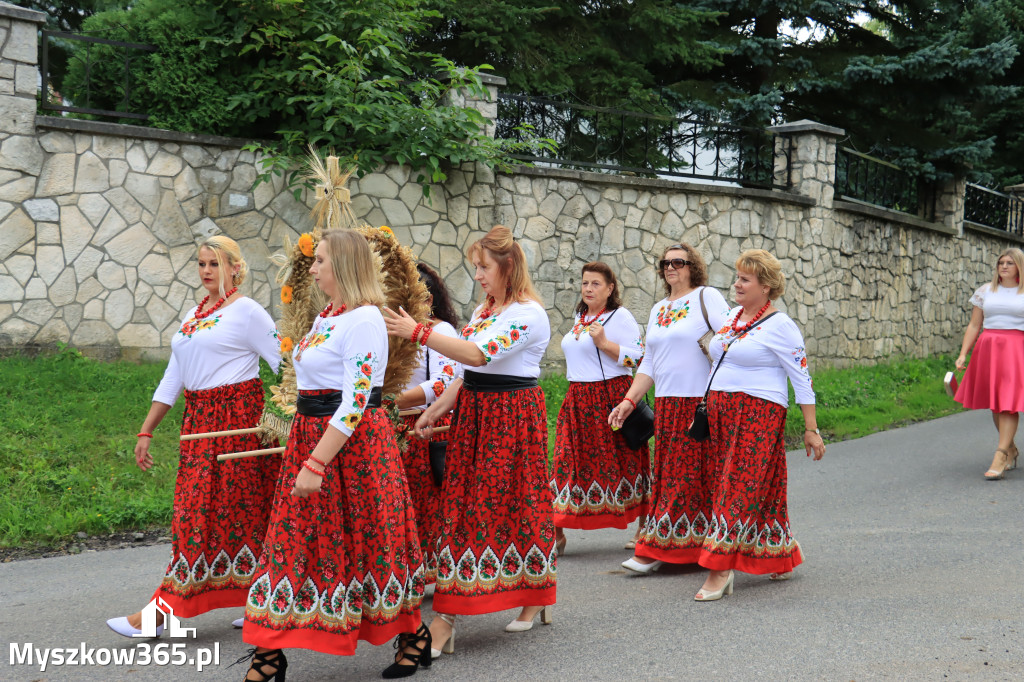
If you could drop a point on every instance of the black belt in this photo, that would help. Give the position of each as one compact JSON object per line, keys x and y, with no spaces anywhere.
{"x":326,"y":404}
{"x":479,"y":382}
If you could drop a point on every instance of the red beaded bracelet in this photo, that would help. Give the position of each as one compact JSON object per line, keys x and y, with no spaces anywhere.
{"x":319,"y":461}
{"x":630,"y":401}
{"x":309,"y":467}
{"x":416,"y":332}
{"x":427,"y":331}
{"x":147,"y":435}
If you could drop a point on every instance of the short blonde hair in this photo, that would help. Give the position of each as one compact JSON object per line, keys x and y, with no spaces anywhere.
{"x":1018,"y":258}
{"x":229,"y":253}
{"x":511,"y":260}
{"x":766,"y":268}
{"x":356,"y":271}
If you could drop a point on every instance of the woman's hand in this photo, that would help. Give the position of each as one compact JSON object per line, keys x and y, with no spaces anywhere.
{"x":424,"y":426}
{"x":400,"y":324}
{"x":142,"y":456}
{"x":814,"y":443}
{"x":619,"y":414}
{"x":960,"y":363}
{"x":597,"y":334}
{"x":307,"y":483}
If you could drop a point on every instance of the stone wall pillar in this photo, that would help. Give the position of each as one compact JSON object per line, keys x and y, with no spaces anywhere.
{"x":812,"y":158}
{"x":21,"y":160}
{"x":949,"y":204}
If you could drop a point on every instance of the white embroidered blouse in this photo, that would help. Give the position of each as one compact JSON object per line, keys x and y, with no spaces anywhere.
{"x":581,"y":354}
{"x":513,"y":342}
{"x":441,"y":371}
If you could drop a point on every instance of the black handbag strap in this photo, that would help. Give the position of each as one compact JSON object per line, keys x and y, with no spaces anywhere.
{"x":712,"y":379}
{"x":704,"y":310}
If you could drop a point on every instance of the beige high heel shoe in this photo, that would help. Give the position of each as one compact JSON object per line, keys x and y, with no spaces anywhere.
{"x":999,"y":465}
{"x":524,"y":625}
{"x":718,"y":594}
{"x":449,"y":644}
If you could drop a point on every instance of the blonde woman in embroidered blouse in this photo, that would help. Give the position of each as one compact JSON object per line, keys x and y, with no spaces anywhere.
{"x":221,"y":508}
{"x":747,"y":415}
{"x":341,"y":560}
{"x":677,"y":368}
{"x":598,"y":480}
{"x":497,"y":546}
{"x":995,"y":378}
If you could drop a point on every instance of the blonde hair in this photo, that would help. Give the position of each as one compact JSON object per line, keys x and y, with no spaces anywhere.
{"x":766,"y":268}
{"x":355,"y":270}
{"x":506,"y":252}
{"x":1018,"y":259}
{"x":227,"y":251}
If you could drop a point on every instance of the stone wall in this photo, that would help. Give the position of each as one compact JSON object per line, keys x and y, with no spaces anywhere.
{"x":98,"y":226}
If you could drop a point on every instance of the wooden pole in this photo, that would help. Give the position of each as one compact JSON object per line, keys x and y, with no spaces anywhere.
{"x":218,"y":434}
{"x":250,"y":453}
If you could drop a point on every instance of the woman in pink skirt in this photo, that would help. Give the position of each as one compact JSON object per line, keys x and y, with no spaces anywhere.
{"x":995,"y":379}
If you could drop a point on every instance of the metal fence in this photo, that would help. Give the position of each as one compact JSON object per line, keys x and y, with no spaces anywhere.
{"x":987,"y":207}
{"x":870,"y":180}
{"x":615,"y":140}
{"x":88,"y":62}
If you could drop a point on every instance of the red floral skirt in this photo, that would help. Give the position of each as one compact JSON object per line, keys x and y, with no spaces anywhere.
{"x":497,"y":546}
{"x":344,"y":564}
{"x":750,"y":517}
{"x":677,"y":524}
{"x":599,"y":481}
{"x":995,"y":378}
{"x":220,"y":508}
{"x":426,"y":495}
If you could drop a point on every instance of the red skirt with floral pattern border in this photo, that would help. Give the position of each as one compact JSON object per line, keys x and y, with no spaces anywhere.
{"x":750,"y":514}
{"x":342,"y":565}
{"x":677,"y":523}
{"x":598,"y":480}
{"x":221,"y":509}
{"x":497,"y":546}
{"x":426,"y":495}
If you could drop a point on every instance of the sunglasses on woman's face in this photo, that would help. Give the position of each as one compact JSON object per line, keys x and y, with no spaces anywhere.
{"x":676,"y":263}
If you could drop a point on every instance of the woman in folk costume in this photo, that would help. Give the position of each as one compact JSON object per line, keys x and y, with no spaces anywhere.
{"x":598,"y":480}
{"x":497,"y":546}
{"x":220,"y":509}
{"x":680,"y":509}
{"x":431,"y":377}
{"x":341,"y":561}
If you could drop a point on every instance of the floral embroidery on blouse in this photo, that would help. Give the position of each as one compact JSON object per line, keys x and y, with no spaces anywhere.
{"x":313,"y":339}
{"x":579,"y":327}
{"x":193,"y":325}
{"x":628,"y":360}
{"x":501,"y":343}
{"x":478,"y":326}
{"x":667,"y":314}
{"x":438,"y":388}
{"x":362,"y":386}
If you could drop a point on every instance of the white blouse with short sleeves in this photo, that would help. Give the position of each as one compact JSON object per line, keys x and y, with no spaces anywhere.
{"x":513,"y":342}
{"x":347,"y":353}
{"x":441,"y":371}
{"x":760,"y":359}
{"x":221,"y":349}
{"x":673,"y":359}
{"x":1003,"y":308}
{"x":581,"y":355}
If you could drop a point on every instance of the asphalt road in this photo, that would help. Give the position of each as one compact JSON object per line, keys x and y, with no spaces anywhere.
{"x":913,"y":572}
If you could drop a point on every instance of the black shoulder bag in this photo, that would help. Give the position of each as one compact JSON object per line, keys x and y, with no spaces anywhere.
{"x":436,"y":449}
{"x":638,"y":428}
{"x":699,"y":429}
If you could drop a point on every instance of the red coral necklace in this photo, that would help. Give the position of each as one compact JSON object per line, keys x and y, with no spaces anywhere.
{"x":584,"y":322}
{"x":736,"y":330}
{"x":327,"y":311}
{"x":199,"y":311}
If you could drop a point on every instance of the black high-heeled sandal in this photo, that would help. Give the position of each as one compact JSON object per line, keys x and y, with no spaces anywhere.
{"x":420,"y":643}
{"x":261,"y":661}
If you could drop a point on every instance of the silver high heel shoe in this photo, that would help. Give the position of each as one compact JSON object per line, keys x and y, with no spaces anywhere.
{"x":524,"y":625}
{"x":449,"y":644}
{"x":715,"y":596}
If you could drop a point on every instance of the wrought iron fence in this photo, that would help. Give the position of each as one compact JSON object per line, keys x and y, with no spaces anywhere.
{"x":984,"y":206}
{"x":87,"y":62}
{"x":615,"y":140}
{"x":864,"y":178}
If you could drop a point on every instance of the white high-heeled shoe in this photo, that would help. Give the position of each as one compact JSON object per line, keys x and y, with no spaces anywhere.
{"x":524,"y":625}
{"x":716,"y":595}
{"x":637,"y":567}
{"x":449,"y":645}
{"x":121,"y":626}
{"x":238,"y":622}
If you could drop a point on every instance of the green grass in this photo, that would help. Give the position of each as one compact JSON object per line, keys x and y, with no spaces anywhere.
{"x":68,"y":428}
